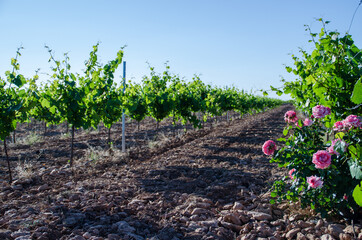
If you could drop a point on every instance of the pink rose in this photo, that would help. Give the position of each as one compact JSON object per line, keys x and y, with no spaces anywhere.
{"x":321,"y":159}
{"x":321,"y":111}
{"x":314,"y":182}
{"x":352,"y":121}
{"x":290,"y":117}
{"x":338,"y":126}
{"x":307,"y":122}
{"x":291,"y":175}
{"x":298,"y":125}
{"x":269,"y":147}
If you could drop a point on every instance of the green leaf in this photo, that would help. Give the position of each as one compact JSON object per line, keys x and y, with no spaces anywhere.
{"x":355,"y":169}
{"x":289,"y":69}
{"x":285,"y":131}
{"x":45,"y":103}
{"x":339,"y":135}
{"x":353,"y":151}
{"x":357,"y":93}
{"x":19,"y":80}
{"x":52,"y":109}
{"x":357,"y":194}
{"x":340,"y":147}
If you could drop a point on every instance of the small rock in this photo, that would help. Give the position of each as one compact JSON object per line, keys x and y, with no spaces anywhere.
{"x":198,"y":211}
{"x":193,"y":225}
{"x":77,"y":238}
{"x":42,"y":229}
{"x":87,"y":235}
{"x":292,"y":233}
{"x":303,"y":224}
{"x":74,"y":197}
{"x":296,"y":217}
{"x":310,"y":236}
{"x":20,"y":233}
{"x":184,"y":219}
{"x":260,"y":216}
{"x":345,"y":236}
{"x":74,"y":218}
{"x":233,"y":227}
{"x":43,"y":188}
{"x":203,"y":205}
{"x":232,"y":218}
{"x":5,"y":234}
{"x":249,"y":236}
{"x":17,"y":187}
{"x":68,"y":184}
{"x":195,"y":218}
{"x":300,"y":236}
{"x":277,"y":212}
{"x":209,"y":223}
{"x":327,"y":237}
{"x":228,"y":206}
{"x":349,"y":229}
{"x":54,"y":172}
{"x":123,"y":227}
{"x":238,"y":206}
{"x":319,"y":224}
{"x":278,"y":222}
{"x":335,"y":230}
{"x":113,"y":237}
{"x":27,"y":237}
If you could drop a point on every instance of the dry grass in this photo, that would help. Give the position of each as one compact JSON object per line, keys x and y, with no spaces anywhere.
{"x":97,"y":155}
{"x":24,"y":170}
{"x":30,"y":139}
{"x":159,"y":140}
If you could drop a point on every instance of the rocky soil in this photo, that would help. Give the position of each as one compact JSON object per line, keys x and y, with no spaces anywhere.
{"x":211,"y":183}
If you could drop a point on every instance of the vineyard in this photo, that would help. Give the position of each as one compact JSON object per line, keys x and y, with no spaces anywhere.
{"x":195,"y":166}
{"x":85,"y":101}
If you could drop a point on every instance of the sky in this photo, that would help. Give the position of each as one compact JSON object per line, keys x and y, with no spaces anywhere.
{"x":245,"y":44}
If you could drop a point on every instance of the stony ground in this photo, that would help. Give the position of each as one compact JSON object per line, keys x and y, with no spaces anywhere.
{"x":212,"y":183}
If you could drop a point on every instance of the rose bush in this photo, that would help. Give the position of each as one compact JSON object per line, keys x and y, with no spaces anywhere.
{"x":323,"y":174}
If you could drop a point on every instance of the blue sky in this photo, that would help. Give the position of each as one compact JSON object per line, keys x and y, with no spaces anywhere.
{"x":241,"y":43}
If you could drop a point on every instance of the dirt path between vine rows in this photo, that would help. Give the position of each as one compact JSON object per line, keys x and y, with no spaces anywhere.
{"x":207,"y":184}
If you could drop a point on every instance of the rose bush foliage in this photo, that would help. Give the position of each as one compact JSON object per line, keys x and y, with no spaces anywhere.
{"x":323,"y":163}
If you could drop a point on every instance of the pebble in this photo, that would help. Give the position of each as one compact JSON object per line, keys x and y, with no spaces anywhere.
{"x":345,"y":236}
{"x":123,"y":227}
{"x":292,"y":233}
{"x":327,"y":237}
{"x":335,"y":230}
{"x":260,"y":215}
{"x":43,"y":188}
{"x":238,"y":206}
{"x":17,"y":187}
{"x":198,"y":211}
{"x":232,"y":218}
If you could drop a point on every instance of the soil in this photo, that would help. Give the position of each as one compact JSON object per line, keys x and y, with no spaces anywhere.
{"x":168,"y":185}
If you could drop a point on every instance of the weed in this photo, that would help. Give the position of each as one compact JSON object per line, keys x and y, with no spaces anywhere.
{"x":24,"y":170}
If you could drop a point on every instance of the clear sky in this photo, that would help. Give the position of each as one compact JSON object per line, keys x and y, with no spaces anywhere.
{"x":229,"y":42}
